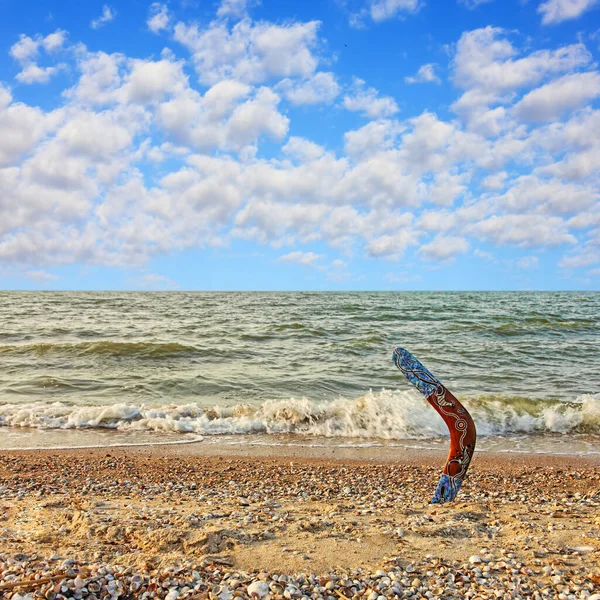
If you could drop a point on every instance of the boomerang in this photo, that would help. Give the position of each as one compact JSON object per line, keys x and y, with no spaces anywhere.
{"x":458,"y":420}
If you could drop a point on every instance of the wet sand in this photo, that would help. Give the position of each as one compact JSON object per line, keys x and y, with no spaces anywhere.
{"x":203,"y":515}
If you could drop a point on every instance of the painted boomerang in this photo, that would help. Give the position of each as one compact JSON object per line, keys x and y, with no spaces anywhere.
{"x":455,"y":415}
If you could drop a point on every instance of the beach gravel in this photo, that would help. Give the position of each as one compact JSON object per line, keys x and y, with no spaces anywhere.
{"x":107,"y":525}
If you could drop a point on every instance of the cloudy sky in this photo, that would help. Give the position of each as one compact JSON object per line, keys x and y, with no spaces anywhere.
{"x":314,"y":144}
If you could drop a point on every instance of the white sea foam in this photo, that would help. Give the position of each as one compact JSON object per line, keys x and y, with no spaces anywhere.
{"x":376,"y":415}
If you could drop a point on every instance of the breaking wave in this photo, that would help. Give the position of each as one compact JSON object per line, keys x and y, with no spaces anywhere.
{"x":384,"y":414}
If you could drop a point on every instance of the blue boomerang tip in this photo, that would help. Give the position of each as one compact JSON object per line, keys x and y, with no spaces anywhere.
{"x":446,"y":490}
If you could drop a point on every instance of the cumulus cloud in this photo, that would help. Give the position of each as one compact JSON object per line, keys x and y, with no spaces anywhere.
{"x":526,"y":230}
{"x":234,"y":8}
{"x":495,"y":181}
{"x":373,"y":137}
{"x":26,"y":52}
{"x":108,"y":14}
{"x":444,"y":248}
{"x":392,"y":246}
{"x":473,"y":4}
{"x":367,"y":101}
{"x":25,"y":49}
{"x":250,"y":52}
{"x":54,"y":41}
{"x":139,"y":159}
{"x":34,"y":74}
{"x":158,"y":17}
{"x":486,"y":61}
{"x":552,"y":100}
{"x":557,"y":11}
{"x":306,"y":259}
{"x":425,"y":74}
{"x":303,"y":149}
{"x":321,"y":88}
{"x":584,"y":257}
{"x":487,"y":66}
{"x":382,"y":10}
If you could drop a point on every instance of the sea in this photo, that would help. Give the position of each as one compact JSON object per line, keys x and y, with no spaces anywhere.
{"x":89,"y":369}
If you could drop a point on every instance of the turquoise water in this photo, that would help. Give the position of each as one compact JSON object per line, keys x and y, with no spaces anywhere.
{"x":312,"y":364}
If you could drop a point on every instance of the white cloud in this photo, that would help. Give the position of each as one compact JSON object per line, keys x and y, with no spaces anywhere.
{"x":528,"y":262}
{"x":525,"y":230}
{"x":372,"y":137}
{"x":303,"y":149}
{"x":222,"y":97}
{"x":233,"y":8}
{"x":487,"y":62}
{"x":139,"y":160}
{"x":5,"y":97}
{"x":100,"y":78}
{"x":425,"y":74}
{"x":22,"y":128}
{"x":25,"y":49}
{"x":54,"y":41}
{"x":150,"y":81}
{"x":392,"y":246}
{"x":444,"y":248}
{"x":550,"y":196}
{"x":495,"y":181}
{"x":473,"y":4}
{"x":490,"y":70}
{"x":552,"y":100}
{"x":158,"y":17}
{"x":251,"y":52}
{"x":256,"y":117}
{"x":557,"y":11}
{"x":321,"y":88}
{"x":382,"y":10}
{"x":41,"y":276}
{"x":306,"y":259}
{"x":34,"y":74}
{"x":108,"y":14}
{"x":582,"y":257}
{"x":366,"y":101}
{"x":224,"y":118}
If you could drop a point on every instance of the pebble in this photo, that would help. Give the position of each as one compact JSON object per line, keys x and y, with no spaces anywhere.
{"x":258,"y":588}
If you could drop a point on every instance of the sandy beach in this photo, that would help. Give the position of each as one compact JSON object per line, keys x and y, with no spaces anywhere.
{"x":203,"y":521}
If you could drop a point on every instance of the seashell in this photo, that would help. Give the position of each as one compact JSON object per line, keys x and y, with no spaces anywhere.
{"x":94,"y":586}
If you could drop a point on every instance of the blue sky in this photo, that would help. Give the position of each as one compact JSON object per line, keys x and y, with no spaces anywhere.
{"x":317,"y":145}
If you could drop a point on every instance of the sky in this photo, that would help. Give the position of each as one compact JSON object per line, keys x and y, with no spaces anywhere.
{"x":300,"y":145}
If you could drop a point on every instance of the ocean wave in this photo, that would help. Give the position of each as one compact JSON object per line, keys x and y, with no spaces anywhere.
{"x":384,"y":414}
{"x":105,"y":348}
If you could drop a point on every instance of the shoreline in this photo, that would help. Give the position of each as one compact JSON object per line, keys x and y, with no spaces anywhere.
{"x":337,"y":454}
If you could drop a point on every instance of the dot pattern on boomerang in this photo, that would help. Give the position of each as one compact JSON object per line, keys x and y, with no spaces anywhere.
{"x":455,"y":415}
